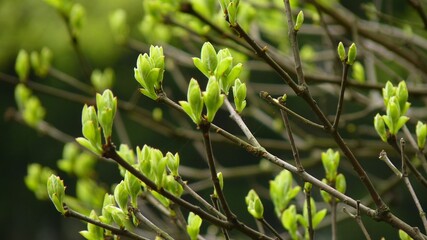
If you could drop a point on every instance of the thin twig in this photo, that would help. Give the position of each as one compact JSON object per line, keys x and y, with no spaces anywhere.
{"x":199,"y":198}
{"x":291,"y":137}
{"x":209,"y":154}
{"x":271,"y":228}
{"x":309,"y":215}
{"x":63,"y":77}
{"x":341,"y":97}
{"x":242,"y":125}
{"x":117,"y":231}
{"x":409,"y":185}
{"x":151,"y":225}
{"x":358,"y":220}
{"x":294,"y":43}
{"x":266,"y":96}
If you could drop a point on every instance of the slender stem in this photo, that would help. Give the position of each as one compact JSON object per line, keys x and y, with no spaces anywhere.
{"x":236,"y":117}
{"x":117,"y":231}
{"x":294,"y":43}
{"x":383,"y":156}
{"x":358,"y":220}
{"x":199,"y":198}
{"x":341,"y":97}
{"x":266,"y":96}
{"x":291,"y":138}
{"x":409,"y":185}
{"x":151,"y":225}
{"x":215,"y":202}
{"x":266,"y":224}
{"x":310,"y":217}
{"x":211,"y":162}
{"x":392,"y":141}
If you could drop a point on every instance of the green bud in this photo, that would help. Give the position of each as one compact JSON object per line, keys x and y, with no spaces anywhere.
{"x":121,"y":195}
{"x":128,"y":155}
{"x":232,"y":11}
{"x":91,"y":130}
{"x":388,"y":92}
{"x":254,"y":204}
{"x":330,"y":161}
{"x":158,"y":165}
{"x":317,"y":217}
{"x":213,"y":98}
{"x":163,"y":200}
{"x":69,"y":156}
{"x":307,"y":187}
{"x":325,"y":196}
{"x":22,"y":94}
{"x":56,"y":192}
{"x":144,"y":160}
{"x":341,"y":52}
{"x":421,"y":132}
{"x":41,"y":62}
{"x":22,"y":65}
{"x":352,"y":53}
{"x":84,"y":165}
{"x":107,"y":107}
{"x":380,"y":127}
{"x":149,"y":72}
{"x":119,"y":26}
{"x":340,"y":183}
{"x":194,"y":105}
{"x":358,"y":72}
{"x":193,"y":226}
{"x":221,"y":183}
{"x":118,"y":215}
{"x":173,"y":163}
{"x":102,"y":80}
{"x":77,"y":15}
{"x":289,"y":221}
{"x":133,"y":187}
{"x":239,"y":95}
{"x":108,"y":201}
{"x":33,"y":112}
{"x":232,"y":76}
{"x":299,"y":21}
{"x":93,"y":232}
{"x":403,"y":235}
{"x":402,"y":97}
{"x":173,"y":186}
{"x":209,"y":58}
{"x":282,"y":192}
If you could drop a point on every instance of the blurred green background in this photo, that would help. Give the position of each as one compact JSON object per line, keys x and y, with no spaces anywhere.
{"x":32,"y":25}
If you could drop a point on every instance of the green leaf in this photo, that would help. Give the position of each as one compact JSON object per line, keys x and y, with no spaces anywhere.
{"x":209,"y":58}
{"x":213,"y":98}
{"x":380,"y":127}
{"x":121,"y":195}
{"x":318,"y":217}
{"x":193,"y":226}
